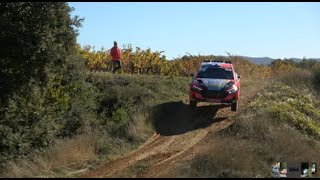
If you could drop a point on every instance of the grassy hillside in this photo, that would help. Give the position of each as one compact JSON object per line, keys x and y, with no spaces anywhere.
{"x":281,"y":125}
{"x":123,"y":122}
{"x":286,"y":114}
{"x":57,"y":119}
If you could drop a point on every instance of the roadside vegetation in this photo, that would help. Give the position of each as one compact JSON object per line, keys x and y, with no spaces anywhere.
{"x":280,"y":125}
{"x":62,"y":112}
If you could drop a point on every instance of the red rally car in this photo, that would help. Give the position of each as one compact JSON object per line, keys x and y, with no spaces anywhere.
{"x":215,"y":81}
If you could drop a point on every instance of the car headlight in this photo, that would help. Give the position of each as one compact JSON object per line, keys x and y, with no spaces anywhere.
{"x":197,"y":86}
{"x":231,"y":87}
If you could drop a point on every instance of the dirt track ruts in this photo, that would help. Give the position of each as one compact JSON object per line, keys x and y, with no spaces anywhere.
{"x":177,"y":139}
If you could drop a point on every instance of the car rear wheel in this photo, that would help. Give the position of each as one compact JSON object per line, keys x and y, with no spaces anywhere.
{"x":234,"y":106}
{"x":193,"y":103}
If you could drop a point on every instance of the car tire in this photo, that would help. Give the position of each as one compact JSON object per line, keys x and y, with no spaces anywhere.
{"x":234,"y":106}
{"x":193,"y":103}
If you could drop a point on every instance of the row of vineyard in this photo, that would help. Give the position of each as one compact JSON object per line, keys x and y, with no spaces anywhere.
{"x":140,"y":61}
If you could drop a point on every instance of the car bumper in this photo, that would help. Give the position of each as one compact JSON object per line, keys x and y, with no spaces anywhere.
{"x":231,"y":98}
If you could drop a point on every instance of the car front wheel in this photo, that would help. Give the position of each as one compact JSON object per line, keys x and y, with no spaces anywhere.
{"x":193,"y":103}
{"x":234,"y":106}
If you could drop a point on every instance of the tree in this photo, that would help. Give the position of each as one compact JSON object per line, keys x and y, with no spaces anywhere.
{"x":44,"y":94}
{"x":34,"y":36}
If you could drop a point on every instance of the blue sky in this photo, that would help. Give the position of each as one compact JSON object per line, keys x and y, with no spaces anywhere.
{"x":261,"y":29}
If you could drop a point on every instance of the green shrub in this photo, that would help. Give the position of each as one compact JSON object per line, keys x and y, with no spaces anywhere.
{"x":317,"y":78}
{"x":44,"y":93}
{"x":279,"y":125}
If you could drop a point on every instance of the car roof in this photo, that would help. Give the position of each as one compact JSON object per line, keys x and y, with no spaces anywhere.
{"x":222,"y":64}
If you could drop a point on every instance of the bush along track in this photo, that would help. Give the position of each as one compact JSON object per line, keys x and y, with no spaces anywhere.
{"x":280,"y":125}
{"x":179,"y":130}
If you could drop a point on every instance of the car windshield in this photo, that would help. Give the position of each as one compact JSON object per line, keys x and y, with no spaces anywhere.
{"x":215,"y":73}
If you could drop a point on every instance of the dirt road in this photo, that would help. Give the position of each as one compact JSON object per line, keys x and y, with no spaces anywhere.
{"x":181,"y":133}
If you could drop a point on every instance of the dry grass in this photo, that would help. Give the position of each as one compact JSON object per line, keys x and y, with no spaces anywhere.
{"x":280,"y":141}
{"x":228,"y":157}
{"x":300,"y":79}
{"x":250,"y":146}
{"x":65,"y":158}
{"x":248,"y":153}
{"x":139,"y":126}
{"x":71,"y":157}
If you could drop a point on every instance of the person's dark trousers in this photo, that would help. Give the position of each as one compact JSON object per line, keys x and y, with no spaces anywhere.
{"x":131,"y":67}
{"x":116,"y":66}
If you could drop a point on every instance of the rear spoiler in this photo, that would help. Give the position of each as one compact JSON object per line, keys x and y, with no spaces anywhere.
{"x":229,"y":62}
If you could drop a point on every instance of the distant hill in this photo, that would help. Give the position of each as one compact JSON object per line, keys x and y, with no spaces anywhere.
{"x":267,"y":60}
{"x":264,"y":60}
{"x":259,"y":60}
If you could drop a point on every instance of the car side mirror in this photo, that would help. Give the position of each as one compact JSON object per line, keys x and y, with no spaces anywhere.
{"x":238,"y":76}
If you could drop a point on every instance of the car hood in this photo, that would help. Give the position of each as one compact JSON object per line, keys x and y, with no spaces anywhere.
{"x":214,"y":84}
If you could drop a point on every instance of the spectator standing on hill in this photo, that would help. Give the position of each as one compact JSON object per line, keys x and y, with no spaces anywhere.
{"x":115,"y":54}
